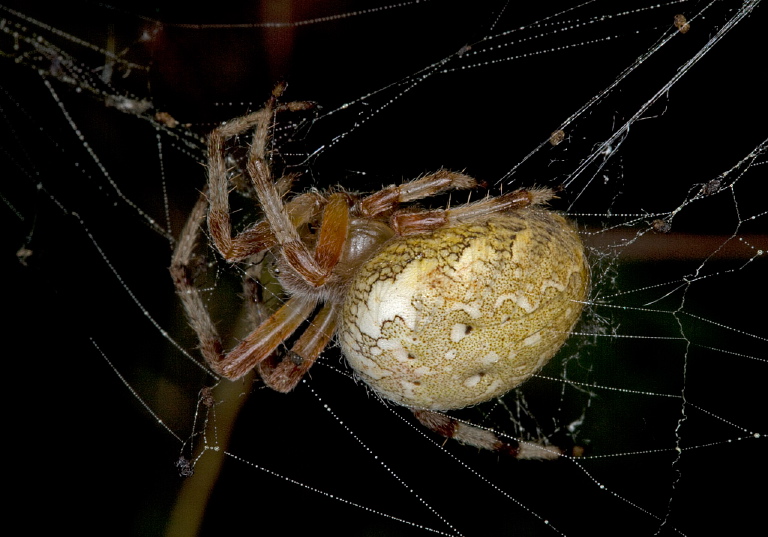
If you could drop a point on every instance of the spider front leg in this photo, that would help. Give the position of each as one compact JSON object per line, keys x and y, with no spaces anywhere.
{"x":183,"y":279}
{"x":312,"y":268}
{"x":255,"y":347}
{"x":260,"y":236}
{"x":264,"y":340}
{"x":284,"y":374}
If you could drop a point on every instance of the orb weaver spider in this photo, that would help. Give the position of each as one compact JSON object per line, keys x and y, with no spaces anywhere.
{"x":433,"y":309}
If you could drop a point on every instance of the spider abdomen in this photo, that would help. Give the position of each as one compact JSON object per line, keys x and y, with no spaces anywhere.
{"x":463,"y":314}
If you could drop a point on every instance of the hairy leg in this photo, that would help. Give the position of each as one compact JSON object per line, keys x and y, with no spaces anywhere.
{"x":277,"y":228}
{"x":388,"y":199}
{"x":183,"y":279}
{"x":410,"y":223}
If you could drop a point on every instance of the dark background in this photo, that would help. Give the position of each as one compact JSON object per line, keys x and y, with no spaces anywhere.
{"x":93,"y":459}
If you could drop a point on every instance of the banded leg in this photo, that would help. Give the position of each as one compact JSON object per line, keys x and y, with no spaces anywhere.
{"x":483,"y":438}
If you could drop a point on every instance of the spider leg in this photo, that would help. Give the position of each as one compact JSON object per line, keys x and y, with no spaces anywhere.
{"x":279,"y":227}
{"x":410,"y":223}
{"x":262,"y":341}
{"x":285,"y":374}
{"x":313,"y":268}
{"x":483,"y":438}
{"x":219,"y":221}
{"x":261,"y":236}
{"x":197,"y":314}
{"x":388,"y":199}
{"x":334,"y":229}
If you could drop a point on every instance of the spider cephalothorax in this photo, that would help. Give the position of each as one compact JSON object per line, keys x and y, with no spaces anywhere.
{"x":433,"y":309}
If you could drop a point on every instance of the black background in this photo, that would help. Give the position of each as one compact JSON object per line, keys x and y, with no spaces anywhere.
{"x":93,"y":459}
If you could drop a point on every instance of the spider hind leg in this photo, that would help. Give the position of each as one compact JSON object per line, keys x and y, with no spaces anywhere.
{"x":483,"y":438}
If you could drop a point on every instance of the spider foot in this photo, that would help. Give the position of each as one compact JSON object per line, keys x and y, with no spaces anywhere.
{"x":283,"y":373}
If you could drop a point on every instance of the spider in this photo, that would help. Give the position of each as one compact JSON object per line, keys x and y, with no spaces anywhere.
{"x":433,"y":309}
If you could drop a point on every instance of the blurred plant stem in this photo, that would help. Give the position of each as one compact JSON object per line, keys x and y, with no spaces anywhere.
{"x":187,"y":514}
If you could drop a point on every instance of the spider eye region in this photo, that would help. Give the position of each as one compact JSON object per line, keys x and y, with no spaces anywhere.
{"x":463,"y":314}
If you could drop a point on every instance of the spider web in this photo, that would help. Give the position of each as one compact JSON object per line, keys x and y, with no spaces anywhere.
{"x":663,"y":167}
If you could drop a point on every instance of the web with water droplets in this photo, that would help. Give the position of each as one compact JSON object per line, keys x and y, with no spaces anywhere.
{"x":652,"y":126}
